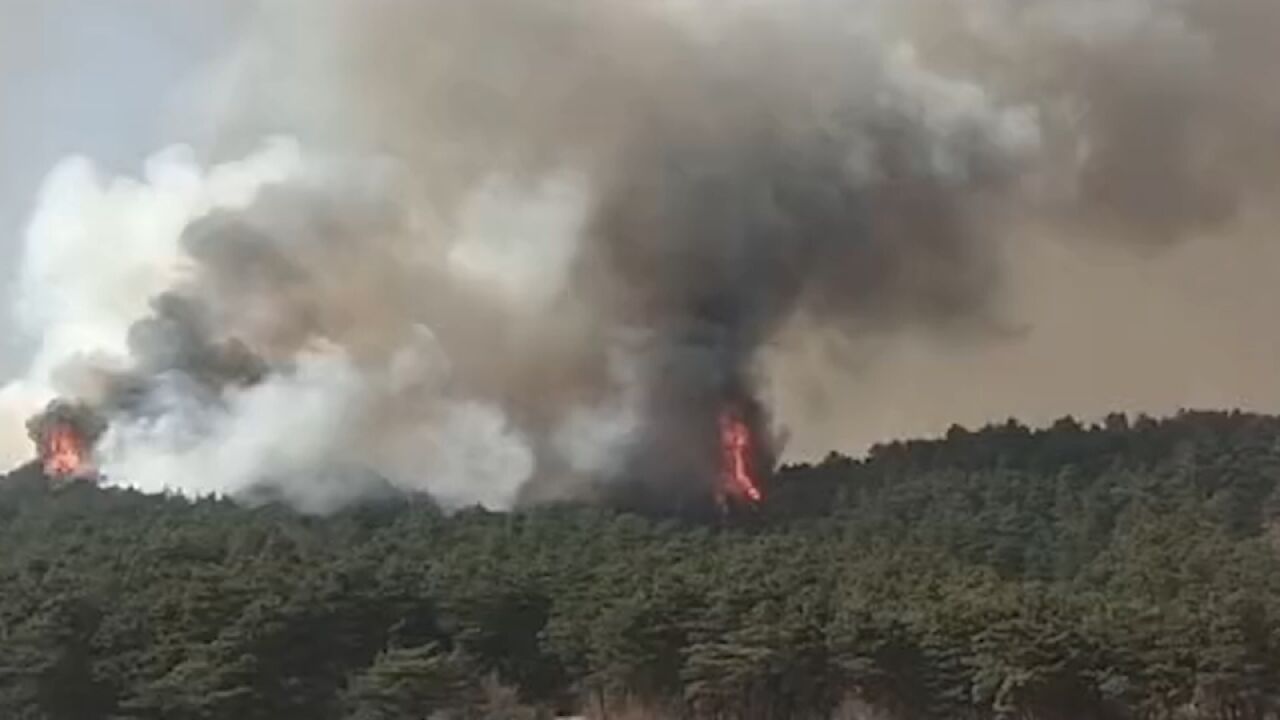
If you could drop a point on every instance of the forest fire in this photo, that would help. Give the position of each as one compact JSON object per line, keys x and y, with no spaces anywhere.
{"x":63,"y":452}
{"x":737,"y":460}
{"x":64,"y":435}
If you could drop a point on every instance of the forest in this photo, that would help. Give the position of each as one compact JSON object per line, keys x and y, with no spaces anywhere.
{"x":1126,"y":569}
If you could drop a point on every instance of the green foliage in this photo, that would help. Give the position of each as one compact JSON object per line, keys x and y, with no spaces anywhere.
{"x":411,"y":682}
{"x":1121,"y":571}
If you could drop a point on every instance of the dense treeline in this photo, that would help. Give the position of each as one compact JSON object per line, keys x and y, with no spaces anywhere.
{"x":1072,"y":573}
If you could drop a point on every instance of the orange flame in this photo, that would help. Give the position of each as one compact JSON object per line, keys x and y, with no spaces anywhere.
{"x":736,"y":459}
{"x":64,"y":452}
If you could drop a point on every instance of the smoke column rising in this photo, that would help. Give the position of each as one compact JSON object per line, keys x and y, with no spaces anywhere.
{"x":532,"y":250}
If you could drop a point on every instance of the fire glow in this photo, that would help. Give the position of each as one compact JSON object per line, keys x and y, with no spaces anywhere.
{"x":737,"y":451}
{"x":64,"y":453}
{"x":65,"y":435}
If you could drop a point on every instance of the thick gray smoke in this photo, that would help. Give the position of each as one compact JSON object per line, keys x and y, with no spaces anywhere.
{"x":532,"y":250}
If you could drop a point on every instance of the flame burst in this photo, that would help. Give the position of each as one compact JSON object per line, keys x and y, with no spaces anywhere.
{"x":64,"y":453}
{"x":736,"y":460}
{"x":64,"y":436}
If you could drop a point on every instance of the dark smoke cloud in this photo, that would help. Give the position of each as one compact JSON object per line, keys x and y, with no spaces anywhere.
{"x":713,"y":243}
{"x":179,"y":339}
{"x":1159,"y":122}
{"x":776,"y":169}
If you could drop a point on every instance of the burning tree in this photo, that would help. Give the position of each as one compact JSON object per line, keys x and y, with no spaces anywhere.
{"x":738,"y":460}
{"x":65,"y":435}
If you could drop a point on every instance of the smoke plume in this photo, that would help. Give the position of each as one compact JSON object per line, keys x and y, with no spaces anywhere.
{"x":523,"y":251}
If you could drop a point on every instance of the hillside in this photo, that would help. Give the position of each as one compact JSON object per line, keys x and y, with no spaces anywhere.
{"x":1127,"y":570}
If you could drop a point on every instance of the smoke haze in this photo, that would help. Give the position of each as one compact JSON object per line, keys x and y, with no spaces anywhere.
{"x":519,"y":251}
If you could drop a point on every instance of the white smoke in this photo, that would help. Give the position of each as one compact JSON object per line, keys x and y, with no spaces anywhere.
{"x":519,"y":242}
{"x":317,"y":430}
{"x":97,"y":250}
{"x":470,"y":454}
{"x":593,"y":439}
{"x":288,"y":430}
